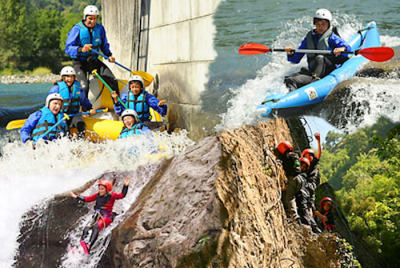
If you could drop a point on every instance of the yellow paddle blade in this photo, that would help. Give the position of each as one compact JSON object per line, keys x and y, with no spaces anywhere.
{"x":147,"y":78}
{"x":15,"y":124}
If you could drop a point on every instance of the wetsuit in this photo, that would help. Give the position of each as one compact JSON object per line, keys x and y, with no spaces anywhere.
{"x":319,"y":65}
{"x":104,"y":215}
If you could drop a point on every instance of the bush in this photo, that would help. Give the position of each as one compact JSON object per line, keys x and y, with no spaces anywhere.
{"x":41,"y":71}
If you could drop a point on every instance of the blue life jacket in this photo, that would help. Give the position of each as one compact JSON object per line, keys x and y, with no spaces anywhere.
{"x":322,"y":44}
{"x":139,"y":104}
{"x":46,"y":121}
{"x":86,"y":38}
{"x":71,"y":105}
{"x":134,"y":130}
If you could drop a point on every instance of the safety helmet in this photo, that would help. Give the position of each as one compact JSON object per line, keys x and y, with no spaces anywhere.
{"x":67,"y":70}
{"x":284,"y":146}
{"x":306,"y":161}
{"x":131,"y":113}
{"x":53,"y":96}
{"x":90,"y":10}
{"x":136,"y":78}
{"x":323,"y":14}
{"x":107,"y":184}
{"x":323,"y":200}
{"x":308,"y":151}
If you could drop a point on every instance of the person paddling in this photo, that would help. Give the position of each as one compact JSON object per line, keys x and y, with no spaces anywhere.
{"x":138,"y":99}
{"x":40,"y":121}
{"x":132,"y":126}
{"x":323,"y":37}
{"x":103,"y":215}
{"x":82,"y":38}
{"x":74,"y":98}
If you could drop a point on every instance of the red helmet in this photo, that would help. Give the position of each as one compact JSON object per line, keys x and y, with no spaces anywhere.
{"x":305,"y":160}
{"x":325,"y":199}
{"x":284,"y":146}
{"x":107,"y":184}
{"x":308,"y":151}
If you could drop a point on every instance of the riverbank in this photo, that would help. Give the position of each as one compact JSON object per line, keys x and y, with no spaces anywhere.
{"x":29,"y":79}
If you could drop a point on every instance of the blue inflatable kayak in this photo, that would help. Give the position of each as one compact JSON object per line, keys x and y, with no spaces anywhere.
{"x":296,"y":102}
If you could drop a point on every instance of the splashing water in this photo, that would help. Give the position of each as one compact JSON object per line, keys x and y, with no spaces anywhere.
{"x":30,"y":176}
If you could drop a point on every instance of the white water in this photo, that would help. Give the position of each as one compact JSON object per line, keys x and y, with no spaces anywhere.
{"x":242,"y":106}
{"x":29,"y":177}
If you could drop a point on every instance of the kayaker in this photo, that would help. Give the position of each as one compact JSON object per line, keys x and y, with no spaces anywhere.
{"x":82,"y":38}
{"x":323,"y":37}
{"x":138,"y":99}
{"x":132,"y":124}
{"x":103,"y":215}
{"x":326,"y":214}
{"x":313,"y":175}
{"x":74,"y":98}
{"x":40,"y":121}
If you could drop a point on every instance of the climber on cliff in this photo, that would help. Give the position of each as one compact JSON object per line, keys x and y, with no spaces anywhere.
{"x":298,"y":197}
{"x":138,"y":99}
{"x":326,"y":214}
{"x":313,"y":176}
{"x":104,"y":215}
{"x":85,"y":36}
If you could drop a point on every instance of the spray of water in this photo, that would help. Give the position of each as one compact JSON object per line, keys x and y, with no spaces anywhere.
{"x":29,"y":176}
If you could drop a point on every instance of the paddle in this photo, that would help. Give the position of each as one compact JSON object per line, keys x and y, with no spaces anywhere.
{"x":19,"y":123}
{"x":147,"y":78}
{"x":372,"y":53}
{"x":104,"y":82}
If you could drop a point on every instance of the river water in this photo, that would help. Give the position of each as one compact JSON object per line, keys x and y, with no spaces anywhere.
{"x":237,"y":84}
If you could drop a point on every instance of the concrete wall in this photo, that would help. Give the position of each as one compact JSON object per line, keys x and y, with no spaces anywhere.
{"x":169,"y":38}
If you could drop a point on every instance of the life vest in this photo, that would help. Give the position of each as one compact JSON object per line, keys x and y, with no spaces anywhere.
{"x":134,"y":130}
{"x":85,"y":37}
{"x":322,"y":44}
{"x":46,"y":121}
{"x":71,"y":104}
{"x":139,"y":104}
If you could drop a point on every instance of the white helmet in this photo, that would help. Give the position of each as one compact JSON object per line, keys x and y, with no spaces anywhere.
{"x":131,"y":113}
{"x":90,"y":10}
{"x":53,"y":96}
{"x":136,"y":78}
{"x":323,"y":14}
{"x":67,"y":70}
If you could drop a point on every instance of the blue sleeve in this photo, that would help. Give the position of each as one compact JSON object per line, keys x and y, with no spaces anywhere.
{"x":296,"y":57}
{"x":105,"y":46}
{"x":336,"y":41}
{"x":118,"y":107}
{"x":29,"y":126}
{"x":54,"y":89}
{"x":71,"y":44}
{"x":153,"y":102}
{"x":85,"y":103}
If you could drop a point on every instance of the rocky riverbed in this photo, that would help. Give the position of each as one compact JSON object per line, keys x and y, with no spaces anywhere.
{"x":25,"y":79}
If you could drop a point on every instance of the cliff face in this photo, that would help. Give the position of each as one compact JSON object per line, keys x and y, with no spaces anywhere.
{"x":215,"y":205}
{"x":170,"y":39}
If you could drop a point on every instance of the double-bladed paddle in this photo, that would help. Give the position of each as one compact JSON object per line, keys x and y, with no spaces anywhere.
{"x":372,"y":53}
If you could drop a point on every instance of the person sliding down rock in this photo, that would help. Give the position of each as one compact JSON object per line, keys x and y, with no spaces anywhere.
{"x":298,"y":197}
{"x":103,"y":215}
{"x":290,"y":162}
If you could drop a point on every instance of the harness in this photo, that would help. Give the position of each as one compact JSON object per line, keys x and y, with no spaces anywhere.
{"x":139,"y":104}
{"x":46,"y":121}
{"x":72,"y":101}
{"x":89,"y":37}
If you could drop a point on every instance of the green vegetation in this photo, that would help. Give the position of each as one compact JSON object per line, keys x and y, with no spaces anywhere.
{"x":33,"y":33}
{"x":365,"y":169}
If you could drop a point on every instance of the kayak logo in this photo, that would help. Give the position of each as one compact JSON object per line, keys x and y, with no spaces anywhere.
{"x":312,"y":93}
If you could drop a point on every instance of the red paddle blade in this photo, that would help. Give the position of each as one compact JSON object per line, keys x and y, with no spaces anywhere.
{"x":377,"y":53}
{"x":253,"y":49}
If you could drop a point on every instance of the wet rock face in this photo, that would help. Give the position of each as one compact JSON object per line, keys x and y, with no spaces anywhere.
{"x":218,"y":205}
